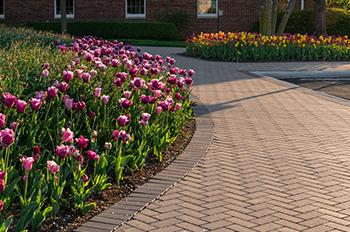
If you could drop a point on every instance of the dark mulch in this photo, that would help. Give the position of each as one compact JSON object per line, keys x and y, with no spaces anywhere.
{"x":68,"y":220}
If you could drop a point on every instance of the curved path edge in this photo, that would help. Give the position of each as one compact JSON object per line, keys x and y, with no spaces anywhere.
{"x":124,"y":210}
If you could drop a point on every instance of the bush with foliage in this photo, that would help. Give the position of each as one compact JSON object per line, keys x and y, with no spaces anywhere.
{"x":113,"y":30}
{"x":76,"y":118}
{"x":338,"y":22}
{"x":246,"y":46}
{"x":343,"y":4}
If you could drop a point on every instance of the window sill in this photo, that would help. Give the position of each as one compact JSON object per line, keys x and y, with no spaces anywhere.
{"x":68,"y":16}
{"x":207,"y":16}
{"x":135,"y":16}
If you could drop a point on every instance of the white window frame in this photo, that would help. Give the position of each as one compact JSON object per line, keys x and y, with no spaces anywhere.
{"x":2,"y":16}
{"x":135,"y":16}
{"x":212,"y":15}
{"x":302,"y":4}
{"x":58,"y":16}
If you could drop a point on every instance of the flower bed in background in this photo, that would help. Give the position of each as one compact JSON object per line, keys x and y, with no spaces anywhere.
{"x":76,"y":118}
{"x":246,"y":46}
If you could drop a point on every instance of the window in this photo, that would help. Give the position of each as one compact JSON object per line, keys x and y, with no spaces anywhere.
{"x":135,"y":8}
{"x":69,"y":8}
{"x":207,"y":8}
{"x":2,"y":9}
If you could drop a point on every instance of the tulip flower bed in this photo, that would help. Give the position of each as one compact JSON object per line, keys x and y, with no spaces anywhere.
{"x":246,"y":46}
{"x":72,"y":126}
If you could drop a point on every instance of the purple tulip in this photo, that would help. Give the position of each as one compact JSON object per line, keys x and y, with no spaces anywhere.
{"x":9,"y":100}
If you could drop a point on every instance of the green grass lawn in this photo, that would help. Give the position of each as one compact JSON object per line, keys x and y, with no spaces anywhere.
{"x":156,"y":43}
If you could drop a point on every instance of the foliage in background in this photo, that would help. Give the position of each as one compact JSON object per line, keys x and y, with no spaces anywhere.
{"x":75,"y":119}
{"x":343,"y":4}
{"x":180,"y":19}
{"x":114,"y":30}
{"x":338,"y":22}
{"x":246,"y":46}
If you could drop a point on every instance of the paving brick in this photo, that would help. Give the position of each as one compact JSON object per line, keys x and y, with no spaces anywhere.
{"x":278,"y":161}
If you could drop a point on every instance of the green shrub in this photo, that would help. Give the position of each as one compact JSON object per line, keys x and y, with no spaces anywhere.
{"x":179,"y":18}
{"x":338,"y":22}
{"x":344,"y":4}
{"x":115,"y":30}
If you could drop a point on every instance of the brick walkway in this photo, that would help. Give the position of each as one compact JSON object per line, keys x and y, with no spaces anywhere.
{"x":280,"y":159}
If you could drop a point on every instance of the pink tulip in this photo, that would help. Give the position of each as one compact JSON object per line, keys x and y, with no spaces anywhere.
{"x":85,"y":178}
{"x":13,"y":125}
{"x":35,"y":104}
{"x":98,"y":92}
{"x":105,"y":99}
{"x":7,"y":137}
{"x":62,"y":151}
{"x":67,"y":135}
{"x":125,"y":137}
{"x":53,"y":167}
{"x":188,"y":81}
{"x":52,"y":91}
{"x":157,"y":93}
{"x":2,"y":120}
{"x":63,"y":86}
{"x":21,"y":106}
{"x":82,"y":142}
{"x":125,"y":103}
{"x":2,"y":175}
{"x":191,"y":72}
{"x":86,"y":77}
{"x":127,"y":94}
{"x":2,"y":204}
{"x":80,"y":105}
{"x":79,"y":159}
{"x":159,"y":110}
{"x":68,"y":102}
{"x":92,"y":155}
{"x":45,"y":73}
{"x":67,"y":75}
{"x":180,"y":82}
{"x":145,"y":117}
{"x":9,"y":100}
{"x":27,"y":163}
{"x":178,"y":106}
{"x":2,"y":185}
{"x":46,"y":66}
{"x":122,"y":120}
{"x":172,"y":79}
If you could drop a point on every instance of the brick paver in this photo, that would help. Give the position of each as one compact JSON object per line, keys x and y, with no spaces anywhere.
{"x":279,"y":161}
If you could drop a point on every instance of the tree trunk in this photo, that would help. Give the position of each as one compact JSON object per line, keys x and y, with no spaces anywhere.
{"x":320,"y":17}
{"x":266,"y":18}
{"x":285,"y":18}
{"x":63,"y":6}
{"x":274,"y":16}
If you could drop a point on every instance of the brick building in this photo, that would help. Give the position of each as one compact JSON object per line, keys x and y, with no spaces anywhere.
{"x":204,"y":15}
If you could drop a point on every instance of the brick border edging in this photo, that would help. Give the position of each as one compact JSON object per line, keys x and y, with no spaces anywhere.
{"x":124,"y":210}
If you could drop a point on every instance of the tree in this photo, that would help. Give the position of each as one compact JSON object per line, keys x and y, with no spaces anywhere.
{"x":63,"y":7}
{"x":268,"y":12}
{"x":320,"y":17}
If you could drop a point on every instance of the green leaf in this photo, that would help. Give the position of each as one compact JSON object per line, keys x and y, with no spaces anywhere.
{"x":6,"y":224}
{"x":88,"y":207}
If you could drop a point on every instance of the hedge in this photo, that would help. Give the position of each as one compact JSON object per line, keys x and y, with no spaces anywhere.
{"x":114,"y":30}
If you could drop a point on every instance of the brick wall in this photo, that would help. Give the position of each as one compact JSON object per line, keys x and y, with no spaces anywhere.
{"x":238,"y":15}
